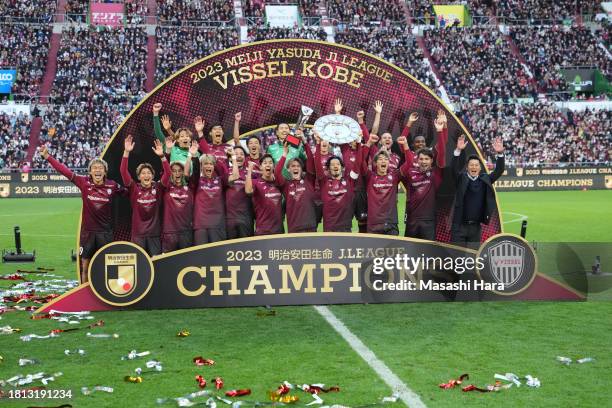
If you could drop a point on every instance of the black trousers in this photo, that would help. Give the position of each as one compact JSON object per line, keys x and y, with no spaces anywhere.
{"x":423,"y":229}
{"x":466,"y":235}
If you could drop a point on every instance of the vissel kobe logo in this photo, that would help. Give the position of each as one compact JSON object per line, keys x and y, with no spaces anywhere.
{"x":507,"y":262}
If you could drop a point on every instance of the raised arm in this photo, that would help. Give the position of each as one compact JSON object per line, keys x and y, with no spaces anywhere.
{"x":159,"y":151}
{"x":411,"y":121}
{"x":338,"y":106}
{"x":165,"y":120}
{"x":235,"y":170}
{"x":157,"y":124}
{"x":378,"y":111}
{"x":458,"y":161}
{"x":60,"y":167}
{"x":128,"y":146}
{"x":408,"y":162}
{"x":198,"y":123}
{"x":310,"y":164}
{"x":248,"y":184}
{"x":365,"y":133}
{"x":237,"y":119}
{"x":500,"y":164}
{"x":193,"y":150}
{"x":441,"y":127}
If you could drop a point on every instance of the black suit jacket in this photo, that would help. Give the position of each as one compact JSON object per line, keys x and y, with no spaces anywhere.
{"x":462,"y":180}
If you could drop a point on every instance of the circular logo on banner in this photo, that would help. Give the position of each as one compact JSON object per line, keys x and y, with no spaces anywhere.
{"x":508,"y":260}
{"x":121,"y":273}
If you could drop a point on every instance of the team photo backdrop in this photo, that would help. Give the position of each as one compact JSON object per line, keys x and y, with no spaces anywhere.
{"x":268,"y":82}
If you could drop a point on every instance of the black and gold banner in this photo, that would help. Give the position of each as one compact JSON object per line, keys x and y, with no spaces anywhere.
{"x":555,"y":178}
{"x":36,"y":185}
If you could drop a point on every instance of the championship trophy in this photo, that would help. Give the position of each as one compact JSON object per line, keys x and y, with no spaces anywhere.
{"x":305,"y":113}
{"x":338,"y":129}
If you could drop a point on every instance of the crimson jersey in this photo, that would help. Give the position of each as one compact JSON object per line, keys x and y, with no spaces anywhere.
{"x":267,"y":201}
{"x":216,"y":150}
{"x":97,"y":199}
{"x":256,"y":170}
{"x":178,"y":208}
{"x":145,"y":202}
{"x":209,"y":208}
{"x":299,"y":199}
{"x":239,"y":208}
{"x":423,"y":186}
{"x":382,"y":199}
{"x":394,"y":159}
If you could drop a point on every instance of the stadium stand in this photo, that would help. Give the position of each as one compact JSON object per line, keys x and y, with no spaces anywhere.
{"x":101,"y":74}
{"x":25,"y":47}
{"x":178,"y":47}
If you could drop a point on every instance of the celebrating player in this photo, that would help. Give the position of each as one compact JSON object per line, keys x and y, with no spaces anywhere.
{"x":178,"y":205}
{"x":178,"y":151}
{"x":422,"y":183}
{"x":209,"y":208}
{"x":97,"y":193}
{"x":253,"y":145}
{"x":267,"y":198}
{"x":474,"y":197}
{"x":217,"y":146}
{"x":145,"y":198}
{"x":276,"y":149}
{"x":337,"y":191}
{"x":298,"y":191}
{"x":382,"y":186}
{"x":239,"y":211}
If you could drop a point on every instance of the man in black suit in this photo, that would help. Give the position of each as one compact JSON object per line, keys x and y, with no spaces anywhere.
{"x":474,"y":198}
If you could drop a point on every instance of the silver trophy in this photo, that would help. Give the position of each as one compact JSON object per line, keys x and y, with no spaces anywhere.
{"x":305,"y":113}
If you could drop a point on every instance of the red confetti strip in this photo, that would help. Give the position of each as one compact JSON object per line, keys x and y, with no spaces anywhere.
{"x":13,"y":277}
{"x":201,"y":381}
{"x":454,"y":383}
{"x":313,"y":389}
{"x":238,"y":393}
{"x":218,"y":383}
{"x":201,"y":361}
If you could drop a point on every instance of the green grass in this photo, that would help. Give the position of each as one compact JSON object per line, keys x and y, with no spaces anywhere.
{"x":424,"y":344}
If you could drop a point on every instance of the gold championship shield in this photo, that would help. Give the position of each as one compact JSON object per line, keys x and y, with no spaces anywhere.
{"x":120,"y":273}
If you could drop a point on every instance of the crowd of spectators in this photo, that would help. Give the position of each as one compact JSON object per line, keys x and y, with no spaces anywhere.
{"x":535,"y":11}
{"x":136,"y":11}
{"x":29,"y":11}
{"x":178,"y":47}
{"x":178,"y":12}
{"x":477,"y":63}
{"x":106,"y":66}
{"x":360,"y":12}
{"x":14,"y":139}
{"x":540,"y":134}
{"x":256,"y":8}
{"x":76,"y":10}
{"x":547,"y":49}
{"x":25,"y":48}
{"x":423,"y":9}
{"x":262,"y":33}
{"x":77,"y":133}
{"x":394,"y":44}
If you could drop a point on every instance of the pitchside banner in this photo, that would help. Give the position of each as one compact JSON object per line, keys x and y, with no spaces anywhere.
{"x":7,"y":79}
{"x":34,"y":185}
{"x":555,"y":178}
{"x":268,"y":82}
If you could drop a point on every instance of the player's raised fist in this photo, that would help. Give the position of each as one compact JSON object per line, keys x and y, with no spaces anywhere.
{"x":360,"y":116}
{"x":157,"y":108}
{"x":44,"y":152}
{"x":238,"y":117}
{"x":373,"y":139}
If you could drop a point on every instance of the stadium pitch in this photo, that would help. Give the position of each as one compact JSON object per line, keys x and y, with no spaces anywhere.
{"x":422,"y":344}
